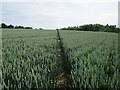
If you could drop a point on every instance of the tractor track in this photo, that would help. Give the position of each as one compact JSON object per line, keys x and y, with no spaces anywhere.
{"x":64,"y":70}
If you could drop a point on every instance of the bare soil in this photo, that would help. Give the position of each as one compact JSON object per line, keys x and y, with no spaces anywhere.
{"x":64,"y":70}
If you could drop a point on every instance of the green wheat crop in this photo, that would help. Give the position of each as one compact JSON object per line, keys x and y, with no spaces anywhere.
{"x":93,"y":57}
{"x":29,"y":59}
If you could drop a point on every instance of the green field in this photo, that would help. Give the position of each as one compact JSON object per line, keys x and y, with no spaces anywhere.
{"x":93,"y":57}
{"x":29,"y":58}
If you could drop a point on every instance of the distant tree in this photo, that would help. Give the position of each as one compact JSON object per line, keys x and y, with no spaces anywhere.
{"x":94,"y":27}
{"x":3,"y":25}
{"x":118,"y":30}
{"x":40,"y":29}
{"x":28,"y":27}
{"x":19,"y":27}
{"x":10,"y":26}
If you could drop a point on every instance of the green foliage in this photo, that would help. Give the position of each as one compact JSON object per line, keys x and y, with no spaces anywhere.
{"x":29,"y":59}
{"x":40,"y":29}
{"x":10,"y":26}
{"x":3,"y":25}
{"x":28,"y":27}
{"x":93,"y":59}
{"x":19,"y":27}
{"x":94,"y":27}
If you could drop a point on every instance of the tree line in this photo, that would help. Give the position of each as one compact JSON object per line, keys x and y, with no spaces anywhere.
{"x":94,"y":27}
{"x":3,"y":25}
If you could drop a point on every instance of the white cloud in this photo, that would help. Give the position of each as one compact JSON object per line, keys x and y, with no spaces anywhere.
{"x":0,"y":12}
{"x":60,"y":14}
{"x":78,"y":1}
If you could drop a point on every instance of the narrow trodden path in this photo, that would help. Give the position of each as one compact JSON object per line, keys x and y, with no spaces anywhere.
{"x":64,"y":71}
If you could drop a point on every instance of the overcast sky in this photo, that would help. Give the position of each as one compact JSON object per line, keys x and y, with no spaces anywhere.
{"x":59,"y":13}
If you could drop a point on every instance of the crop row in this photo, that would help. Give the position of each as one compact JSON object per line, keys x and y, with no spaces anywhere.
{"x":93,"y":58}
{"x":29,"y":62}
{"x":29,"y":59}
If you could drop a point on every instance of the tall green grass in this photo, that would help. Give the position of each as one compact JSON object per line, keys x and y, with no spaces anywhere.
{"x":29,"y":59}
{"x":93,"y":58}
